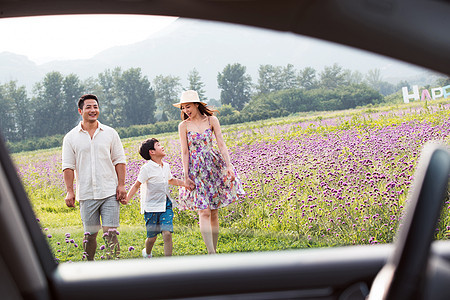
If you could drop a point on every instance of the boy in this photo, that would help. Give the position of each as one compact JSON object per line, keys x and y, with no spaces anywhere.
{"x":156,"y":204}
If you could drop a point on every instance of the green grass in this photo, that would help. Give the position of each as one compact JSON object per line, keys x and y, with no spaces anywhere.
{"x":312,"y":180}
{"x":186,"y":241}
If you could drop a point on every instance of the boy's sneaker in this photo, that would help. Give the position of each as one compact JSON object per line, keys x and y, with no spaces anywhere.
{"x":145,"y":255}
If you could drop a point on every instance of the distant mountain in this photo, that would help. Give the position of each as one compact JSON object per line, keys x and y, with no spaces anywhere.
{"x":20,"y":68}
{"x":209,"y":47}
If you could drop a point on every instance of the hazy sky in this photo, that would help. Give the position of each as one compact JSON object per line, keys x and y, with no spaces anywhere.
{"x":43,"y":39}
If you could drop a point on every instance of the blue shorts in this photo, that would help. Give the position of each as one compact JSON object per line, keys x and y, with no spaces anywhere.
{"x":157,"y":222}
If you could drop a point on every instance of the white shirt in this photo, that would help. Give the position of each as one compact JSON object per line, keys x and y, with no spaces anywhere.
{"x":154,"y":181}
{"x":93,"y":160}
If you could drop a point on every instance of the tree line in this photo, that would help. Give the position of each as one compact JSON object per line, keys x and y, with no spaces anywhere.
{"x":130,"y":99}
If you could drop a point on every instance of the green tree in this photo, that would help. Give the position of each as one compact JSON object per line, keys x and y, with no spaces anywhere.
{"x":332,"y":77}
{"x":111,"y":105}
{"x":72,"y":90}
{"x":196,"y":84}
{"x":307,"y":78}
{"x":91,"y":86}
{"x":276,"y":78}
{"x":137,"y":96}
{"x":289,"y":78}
{"x":167,"y":91}
{"x":20,"y":105}
{"x":402,"y":84}
{"x":54,"y":104}
{"x":374,"y":80}
{"x":235,"y":86}
{"x":353,"y":77}
{"x":443,"y":81}
{"x":262,"y":107}
{"x":6,"y":114}
{"x":294,"y":100}
{"x":354,"y":95}
{"x":269,"y":79}
{"x":386,"y":88}
{"x":48,"y":105}
{"x":281,"y":103}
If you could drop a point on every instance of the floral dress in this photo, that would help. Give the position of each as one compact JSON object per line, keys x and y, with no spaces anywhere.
{"x":207,"y":169}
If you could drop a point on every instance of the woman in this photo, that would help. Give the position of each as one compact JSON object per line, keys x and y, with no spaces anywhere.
{"x":209,"y":172}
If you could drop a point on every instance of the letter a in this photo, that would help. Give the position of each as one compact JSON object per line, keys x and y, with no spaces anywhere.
{"x":425,"y":95}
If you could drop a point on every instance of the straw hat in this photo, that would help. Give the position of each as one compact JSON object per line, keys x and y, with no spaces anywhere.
{"x":189,"y":96}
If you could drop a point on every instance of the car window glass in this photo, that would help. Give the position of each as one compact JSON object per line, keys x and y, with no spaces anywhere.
{"x":323,"y":138}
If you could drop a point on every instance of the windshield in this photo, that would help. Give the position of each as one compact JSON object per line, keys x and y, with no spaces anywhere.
{"x":310,"y":144}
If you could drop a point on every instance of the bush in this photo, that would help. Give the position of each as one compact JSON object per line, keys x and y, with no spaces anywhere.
{"x":227,"y":110}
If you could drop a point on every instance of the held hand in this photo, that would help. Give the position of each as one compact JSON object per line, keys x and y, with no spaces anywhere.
{"x":70,"y":199}
{"x":121,"y":194}
{"x":186,"y":186}
{"x":189,"y":184}
{"x":230,"y":174}
{"x":125,"y":200}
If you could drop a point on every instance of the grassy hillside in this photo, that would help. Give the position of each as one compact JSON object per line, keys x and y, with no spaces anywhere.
{"x":312,"y":180}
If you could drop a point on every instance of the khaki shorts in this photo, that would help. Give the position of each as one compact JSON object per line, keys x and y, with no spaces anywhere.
{"x":92,"y":211}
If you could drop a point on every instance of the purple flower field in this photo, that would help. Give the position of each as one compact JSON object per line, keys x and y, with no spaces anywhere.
{"x":334,"y":181}
{"x":331,"y":180}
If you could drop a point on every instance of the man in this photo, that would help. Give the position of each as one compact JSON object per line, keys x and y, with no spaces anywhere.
{"x":93,"y":153}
